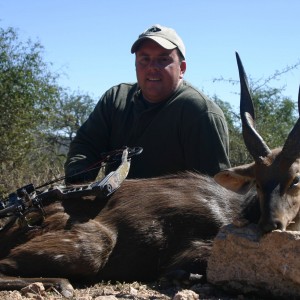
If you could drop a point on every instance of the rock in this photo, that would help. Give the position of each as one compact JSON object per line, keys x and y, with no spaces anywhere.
{"x":133,"y":291}
{"x":247,"y":262}
{"x":186,"y":295}
{"x":111,"y":297}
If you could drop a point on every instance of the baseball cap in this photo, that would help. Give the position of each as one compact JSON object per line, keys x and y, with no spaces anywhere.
{"x":164,"y":36}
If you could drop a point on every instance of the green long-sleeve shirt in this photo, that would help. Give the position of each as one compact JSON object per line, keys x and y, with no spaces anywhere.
{"x":186,"y":132}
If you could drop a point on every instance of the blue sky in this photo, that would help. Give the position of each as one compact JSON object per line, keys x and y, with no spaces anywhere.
{"x":89,"y":41}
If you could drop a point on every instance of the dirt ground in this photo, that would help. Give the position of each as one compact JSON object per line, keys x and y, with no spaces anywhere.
{"x":125,"y":291}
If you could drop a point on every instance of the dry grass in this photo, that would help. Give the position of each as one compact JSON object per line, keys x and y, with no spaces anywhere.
{"x":125,"y":291}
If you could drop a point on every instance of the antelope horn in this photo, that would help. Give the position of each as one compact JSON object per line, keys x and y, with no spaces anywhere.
{"x":291,"y":148}
{"x":253,"y":141}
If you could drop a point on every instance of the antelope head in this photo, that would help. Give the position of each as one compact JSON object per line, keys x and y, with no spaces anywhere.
{"x":274,"y":173}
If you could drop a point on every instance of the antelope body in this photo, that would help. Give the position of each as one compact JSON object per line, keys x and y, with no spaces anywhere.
{"x":151,"y":227}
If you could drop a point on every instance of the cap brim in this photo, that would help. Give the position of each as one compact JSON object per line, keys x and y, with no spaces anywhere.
{"x":161,"y":41}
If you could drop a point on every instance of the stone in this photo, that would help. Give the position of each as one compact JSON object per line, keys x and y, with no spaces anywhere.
{"x":245,"y":261}
{"x":186,"y":295}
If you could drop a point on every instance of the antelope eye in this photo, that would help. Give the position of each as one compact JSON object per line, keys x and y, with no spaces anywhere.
{"x":295,"y":181}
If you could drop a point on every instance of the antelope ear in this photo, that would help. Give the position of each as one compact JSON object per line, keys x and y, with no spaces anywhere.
{"x":238,"y":179}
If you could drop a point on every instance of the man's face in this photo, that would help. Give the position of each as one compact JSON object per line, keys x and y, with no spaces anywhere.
{"x":158,"y":70}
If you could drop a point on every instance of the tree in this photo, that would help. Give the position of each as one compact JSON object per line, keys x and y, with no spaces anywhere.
{"x":27,"y":92}
{"x":275,"y":116}
{"x":68,"y":114}
{"x":36,"y":114}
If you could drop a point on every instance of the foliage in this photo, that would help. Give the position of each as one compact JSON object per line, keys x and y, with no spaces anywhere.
{"x":274,"y":118}
{"x":38,"y":117}
{"x":70,"y":112}
{"x":275,"y":115}
{"x":27,"y":93}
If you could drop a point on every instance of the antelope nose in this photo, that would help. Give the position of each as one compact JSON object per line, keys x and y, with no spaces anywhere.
{"x":271,"y":225}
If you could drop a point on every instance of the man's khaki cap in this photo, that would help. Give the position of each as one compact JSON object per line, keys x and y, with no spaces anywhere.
{"x":164,"y":36}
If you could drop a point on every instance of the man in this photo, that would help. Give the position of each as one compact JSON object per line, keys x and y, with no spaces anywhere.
{"x":177,"y":126}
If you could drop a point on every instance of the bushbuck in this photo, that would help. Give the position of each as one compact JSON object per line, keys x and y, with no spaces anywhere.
{"x":151,"y":227}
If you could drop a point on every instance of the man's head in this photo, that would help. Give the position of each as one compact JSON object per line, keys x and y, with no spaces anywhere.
{"x":160,"y":62}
